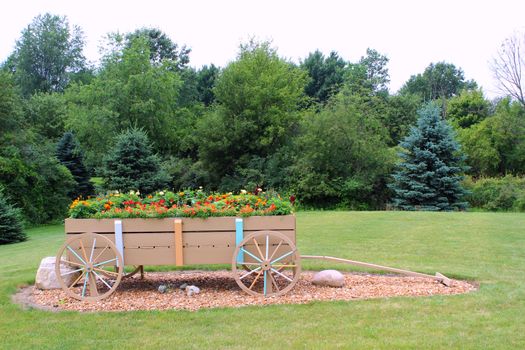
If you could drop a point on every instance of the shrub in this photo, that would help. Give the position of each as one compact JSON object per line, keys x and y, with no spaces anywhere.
{"x":11,"y":228}
{"x":505,"y":193}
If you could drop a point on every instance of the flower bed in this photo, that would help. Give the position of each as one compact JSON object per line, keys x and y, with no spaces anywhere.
{"x":188,"y":203}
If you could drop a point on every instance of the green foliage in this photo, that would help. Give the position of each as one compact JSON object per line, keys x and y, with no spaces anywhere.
{"x":467,"y":109}
{"x":161,"y":47}
{"x":45,"y":113}
{"x":429,"y":175}
{"x":439,"y":81}
{"x":46,"y":55}
{"x":11,"y":227}
{"x":326,"y":75}
{"x":496,"y":145}
{"x":341,"y":156}
{"x":35,"y":180}
{"x":187,"y":203}
{"x":206,"y":78}
{"x":71,"y":156}
{"x":504,"y":193}
{"x":10,"y":105}
{"x":129,"y":92}
{"x":368,"y":77}
{"x":258,"y":97}
{"x":398,"y":115}
{"x":186,"y":173}
{"x":132,"y":165}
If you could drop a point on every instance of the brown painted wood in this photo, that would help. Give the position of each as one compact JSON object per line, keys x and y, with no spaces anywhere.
{"x":253,"y":223}
{"x":179,"y":256}
{"x":202,"y":241}
{"x":438,"y":277}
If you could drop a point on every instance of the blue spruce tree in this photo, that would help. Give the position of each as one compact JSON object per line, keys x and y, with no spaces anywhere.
{"x":430,"y":173}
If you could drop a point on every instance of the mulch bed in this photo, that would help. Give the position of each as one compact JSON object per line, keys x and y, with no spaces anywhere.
{"x":218,"y":289}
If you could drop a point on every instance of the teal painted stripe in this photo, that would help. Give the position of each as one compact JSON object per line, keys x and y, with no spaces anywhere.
{"x":239,"y":235}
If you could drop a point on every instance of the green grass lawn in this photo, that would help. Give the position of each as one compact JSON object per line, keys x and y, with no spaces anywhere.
{"x":485,"y":247}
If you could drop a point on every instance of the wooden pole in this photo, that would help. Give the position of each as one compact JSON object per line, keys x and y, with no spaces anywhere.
{"x":438,"y":277}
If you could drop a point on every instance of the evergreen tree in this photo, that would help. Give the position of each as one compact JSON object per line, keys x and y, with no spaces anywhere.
{"x":11,"y":228}
{"x":429,"y":176}
{"x":70,"y":155}
{"x":132,"y":165}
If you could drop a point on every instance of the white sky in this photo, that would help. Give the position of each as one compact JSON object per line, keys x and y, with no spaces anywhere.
{"x":411,"y":33}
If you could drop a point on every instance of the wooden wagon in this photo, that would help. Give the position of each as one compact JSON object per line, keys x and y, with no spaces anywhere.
{"x":260,"y":249}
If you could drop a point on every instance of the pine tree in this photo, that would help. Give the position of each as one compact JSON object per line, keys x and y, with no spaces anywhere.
{"x":71,"y":156}
{"x":11,"y":228}
{"x":132,"y":165}
{"x":429,"y":175}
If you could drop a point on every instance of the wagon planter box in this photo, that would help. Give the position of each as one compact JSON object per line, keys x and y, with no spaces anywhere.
{"x":260,"y":249}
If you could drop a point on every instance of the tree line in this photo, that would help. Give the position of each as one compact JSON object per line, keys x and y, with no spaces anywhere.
{"x":324,"y":129}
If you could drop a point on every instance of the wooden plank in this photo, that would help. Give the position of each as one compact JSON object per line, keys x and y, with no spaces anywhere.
{"x":253,"y":223}
{"x":179,"y":256}
{"x":438,"y":277}
{"x":272,"y":223}
{"x":119,"y":242}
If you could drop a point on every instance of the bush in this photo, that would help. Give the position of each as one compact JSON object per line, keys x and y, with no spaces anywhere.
{"x":490,"y":193}
{"x":36,"y":182}
{"x":11,"y":228}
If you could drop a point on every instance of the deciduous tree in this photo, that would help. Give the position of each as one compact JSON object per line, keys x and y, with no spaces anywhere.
{"x":46,"y":55}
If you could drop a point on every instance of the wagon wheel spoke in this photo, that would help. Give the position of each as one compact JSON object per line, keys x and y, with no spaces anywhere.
{"x":93,"y":290}
{"x":274,"y":282}
{"x":94,"y":282}
{"x":103,"y":281}
{"x":269,"y":276}
{"x":100,"y":254}
{"x":249,"y":273}
{"x":105,"y":271}
{"x":76,"y":281}
{"x":258,"y":249}
{"x":255,"y":280}
{"x":83,"y":251}
{"x":283,"y":256}
{"x":276,"y":249}
{"x":73,"y":263}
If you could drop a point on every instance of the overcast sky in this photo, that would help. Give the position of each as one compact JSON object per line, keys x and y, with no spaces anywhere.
{"x":411,"y":33}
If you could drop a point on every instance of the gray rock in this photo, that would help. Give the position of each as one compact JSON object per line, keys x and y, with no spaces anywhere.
{"x":163,"y":288}
{"x":183,"y":286}
{"x":46,"y":277}
{"x":330,"y":278}
{"x":190,"y":290}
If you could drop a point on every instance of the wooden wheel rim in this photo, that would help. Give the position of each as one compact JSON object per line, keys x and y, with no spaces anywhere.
{"x":92,"y":276}
{"x":291,"y":251}
{"x":132,"y":273}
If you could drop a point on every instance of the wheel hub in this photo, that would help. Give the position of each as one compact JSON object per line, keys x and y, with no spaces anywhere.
{"x":265,"y":265}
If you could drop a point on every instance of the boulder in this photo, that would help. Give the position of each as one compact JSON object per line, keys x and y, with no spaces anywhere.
{"x":46,"y":277}
{"x":190,"y":290}
{"x":329,"y":278}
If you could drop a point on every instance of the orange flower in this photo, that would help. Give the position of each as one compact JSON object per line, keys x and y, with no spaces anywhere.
{"x":107,"y":206}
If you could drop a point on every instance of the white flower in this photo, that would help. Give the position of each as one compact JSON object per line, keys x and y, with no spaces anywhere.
{"x":243,"y":191}
{"x":132,"y":192}
{"x":161,"y":193}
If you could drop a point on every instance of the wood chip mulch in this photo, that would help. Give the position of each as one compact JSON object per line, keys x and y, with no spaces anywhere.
{"x":218,"y":289}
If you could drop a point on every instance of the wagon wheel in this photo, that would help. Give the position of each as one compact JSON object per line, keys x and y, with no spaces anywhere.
{"x":273,"y":261}
{"x":89,"y":255}
{"x":137,"y":268}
